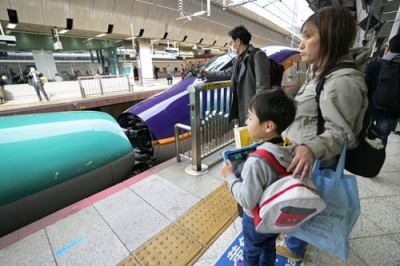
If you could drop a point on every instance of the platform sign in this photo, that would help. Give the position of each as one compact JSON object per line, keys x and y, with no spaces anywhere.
{"x":235,"y":252}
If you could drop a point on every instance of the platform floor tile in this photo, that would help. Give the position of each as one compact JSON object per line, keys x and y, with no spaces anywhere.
{"x":185,"y":240}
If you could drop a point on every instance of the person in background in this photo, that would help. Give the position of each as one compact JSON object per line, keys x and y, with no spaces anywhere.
{"x":6,"y":80}
{"x":170,"y":74}
{"x":270,"y":112}
{"x":136,"y":73}
{"x":57,"y":77}
{"x":35,"y":81}
{"x":182,"y":70}
{"x":2,"y":96}
{"x":245,"y":81}
{"x":328,"y":36}
{"x":385,"y":121}
{"x":156,"y":69}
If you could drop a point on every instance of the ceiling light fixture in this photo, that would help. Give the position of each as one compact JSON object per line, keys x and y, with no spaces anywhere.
{"x":109,"y":31}
{"x":70,"y":23}
{"x":12,"y":18}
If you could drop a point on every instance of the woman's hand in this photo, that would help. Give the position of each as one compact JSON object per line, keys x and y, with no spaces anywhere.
{"x":227,"y":168}
{"x":302,"y":162}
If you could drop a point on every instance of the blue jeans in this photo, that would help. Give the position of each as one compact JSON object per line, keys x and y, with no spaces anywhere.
{"x":295,"y":245}
{"x":387,"y":125}
{"x":259,"y":249}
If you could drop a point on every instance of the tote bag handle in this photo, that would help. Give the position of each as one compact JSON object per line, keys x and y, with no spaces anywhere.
{"x":340,"y":166}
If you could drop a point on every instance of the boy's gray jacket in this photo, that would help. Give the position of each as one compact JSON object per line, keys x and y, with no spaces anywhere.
{"x":343,"y":103}
{"x":257,"y":175}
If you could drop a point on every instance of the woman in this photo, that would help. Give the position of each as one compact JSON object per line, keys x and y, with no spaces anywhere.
{"x":327,"y":37}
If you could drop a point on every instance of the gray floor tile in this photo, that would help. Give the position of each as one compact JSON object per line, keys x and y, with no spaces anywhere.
{"x":169,"y":199}
{"x":365,"y":228}
{"x":384,"y":212}
{"x":200,"y":185}
{"x":86,"y":239}
{"x":376,"y":187}
{"x":132,"y":219}
{"x":215,"y":172}
{"x":33,"y":250}
{"x":220,"y":245}
{"x":318,"y":257}
{"x":394,"y":178}
{"x":379,"y":250}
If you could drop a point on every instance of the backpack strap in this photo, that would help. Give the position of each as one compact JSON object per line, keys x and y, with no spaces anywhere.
{"x":320,"y":87}
{"x":251,"y":58}
{"x":272,"y":160}
{"x":278,"y":167}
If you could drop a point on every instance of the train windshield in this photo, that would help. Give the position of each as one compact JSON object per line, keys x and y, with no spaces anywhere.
{"x":219,"y":62}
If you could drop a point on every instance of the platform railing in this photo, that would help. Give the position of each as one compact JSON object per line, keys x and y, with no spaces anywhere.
{"x":92,"y":85}
{"x":209,"y":128}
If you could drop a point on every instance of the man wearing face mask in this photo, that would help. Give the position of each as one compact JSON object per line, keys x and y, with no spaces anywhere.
{"x":245,"y":81}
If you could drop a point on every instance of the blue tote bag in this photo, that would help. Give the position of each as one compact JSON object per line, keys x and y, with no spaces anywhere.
{"x":330,"y":229}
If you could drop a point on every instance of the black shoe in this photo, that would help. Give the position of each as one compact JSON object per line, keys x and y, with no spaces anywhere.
{"x":40,"y":100}
{"x":240,"y":210}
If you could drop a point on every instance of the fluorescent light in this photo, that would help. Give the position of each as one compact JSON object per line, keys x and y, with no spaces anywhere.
{"x":63,"y":31}
{"x":101,"y":35}
{"x":11,"y":25}
{"x":198,"y":13}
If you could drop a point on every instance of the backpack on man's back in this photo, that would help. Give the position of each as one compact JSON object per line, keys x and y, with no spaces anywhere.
{"x":275,"y":69}
{"x":386,"y":96}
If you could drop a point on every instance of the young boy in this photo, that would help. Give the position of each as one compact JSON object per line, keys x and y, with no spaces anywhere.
{"x":270,"y":112}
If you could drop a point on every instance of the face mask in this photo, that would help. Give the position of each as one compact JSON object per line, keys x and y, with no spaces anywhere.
{"x":233,"y":48}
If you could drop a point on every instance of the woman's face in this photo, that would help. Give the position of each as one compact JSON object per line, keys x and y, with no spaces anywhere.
{"x":309,"y":46}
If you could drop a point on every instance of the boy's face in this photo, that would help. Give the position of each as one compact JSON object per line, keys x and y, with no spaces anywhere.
{"x":256,"y":130}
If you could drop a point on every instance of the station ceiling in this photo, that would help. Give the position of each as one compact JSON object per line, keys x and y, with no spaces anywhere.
{"x":157,"y":20}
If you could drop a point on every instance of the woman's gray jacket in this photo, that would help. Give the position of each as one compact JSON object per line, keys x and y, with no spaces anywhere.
{"x":343,"y":103}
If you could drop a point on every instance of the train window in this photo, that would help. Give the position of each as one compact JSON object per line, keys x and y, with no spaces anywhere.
{"x":218,"y":62}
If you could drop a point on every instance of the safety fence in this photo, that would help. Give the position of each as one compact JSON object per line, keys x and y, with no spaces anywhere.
{"x":93,"y":85}
{"x":209,"y":128}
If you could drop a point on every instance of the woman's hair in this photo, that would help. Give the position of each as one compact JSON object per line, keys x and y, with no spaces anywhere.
{"x":274,"y":105}
{"x":337,"y":32}
{"x":242,"y":33}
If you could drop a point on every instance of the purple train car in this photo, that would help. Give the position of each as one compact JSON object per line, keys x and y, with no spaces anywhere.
{"x":149,"y":125}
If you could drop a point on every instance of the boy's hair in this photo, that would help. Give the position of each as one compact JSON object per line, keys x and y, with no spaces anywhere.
{"x":394,"y":44}
{"x":274,"y":105}
{"x":242,"y":33}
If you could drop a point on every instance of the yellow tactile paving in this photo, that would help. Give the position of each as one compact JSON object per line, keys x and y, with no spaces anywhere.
{"x":129,"y":261}
{"x":184,"y":241}
{"x":221,"y":198}
{"x":203,"y":221}
{"x":172,"y":246}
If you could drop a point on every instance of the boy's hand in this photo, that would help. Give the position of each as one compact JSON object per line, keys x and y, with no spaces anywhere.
{"x":227,"y":168}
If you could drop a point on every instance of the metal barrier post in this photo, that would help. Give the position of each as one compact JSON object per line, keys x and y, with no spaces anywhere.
{"x":81,"y":88}
{"x":101,"y":86}
{"x":195,"y":125}
{"x":212,"y":129}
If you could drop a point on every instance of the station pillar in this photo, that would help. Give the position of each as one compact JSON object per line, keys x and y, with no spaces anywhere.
{"x":144,"y":62}
{"x":396,"y":25}
{"x":44,"y":62}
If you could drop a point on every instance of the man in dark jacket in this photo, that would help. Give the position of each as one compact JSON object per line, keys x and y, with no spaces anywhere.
{"x":35,"y":81}
{"x":245,"y":82}
{"x":385,"y":121}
